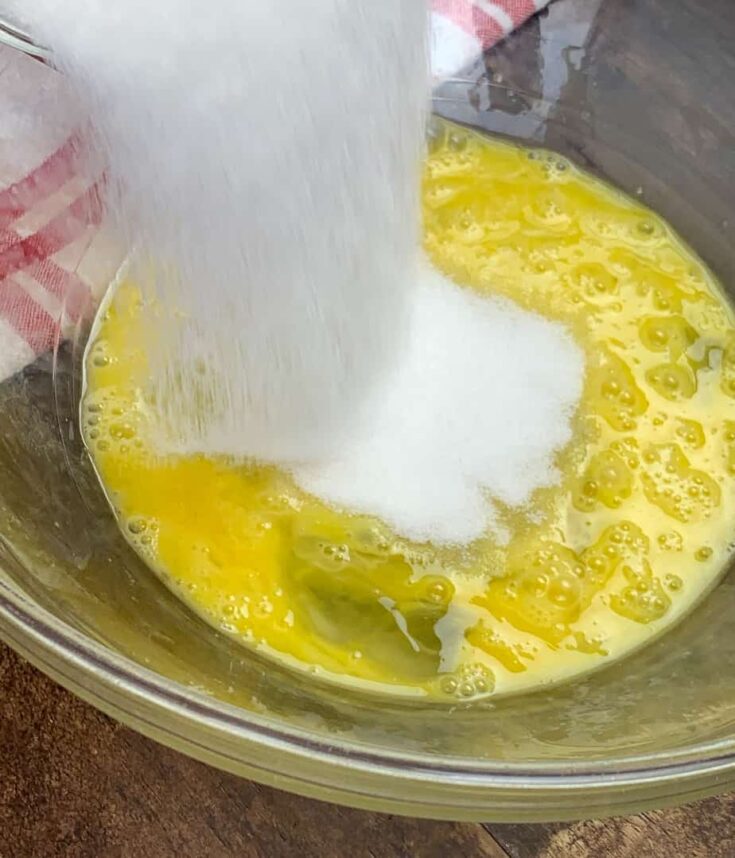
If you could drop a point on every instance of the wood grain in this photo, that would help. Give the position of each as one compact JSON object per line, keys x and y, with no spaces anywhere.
{"x":74,"y":784}
{"x":705,"y":829}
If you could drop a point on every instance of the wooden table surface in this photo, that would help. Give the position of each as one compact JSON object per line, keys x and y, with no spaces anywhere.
{"x":74,"y":784}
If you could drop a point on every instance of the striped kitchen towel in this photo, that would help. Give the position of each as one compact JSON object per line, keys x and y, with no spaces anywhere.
{"x":56,"y":258}
{"x":462,"y":29}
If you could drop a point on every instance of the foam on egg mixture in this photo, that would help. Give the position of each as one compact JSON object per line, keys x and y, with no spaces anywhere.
{"x":633,"y":530}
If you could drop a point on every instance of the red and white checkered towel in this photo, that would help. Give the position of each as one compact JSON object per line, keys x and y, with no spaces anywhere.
{"x":462,"y":29}
{"x":55,"y":260}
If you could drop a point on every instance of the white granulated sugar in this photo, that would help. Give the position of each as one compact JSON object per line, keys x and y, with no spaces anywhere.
{"x":264,"y":162}
{"x":36,"y":115}
{"x":475,"y":411}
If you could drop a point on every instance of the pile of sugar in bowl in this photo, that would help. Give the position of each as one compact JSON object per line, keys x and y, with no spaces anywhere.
{"x":264,"y":164}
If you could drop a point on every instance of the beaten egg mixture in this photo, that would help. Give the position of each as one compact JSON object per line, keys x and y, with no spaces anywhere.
{"x":636,"y":531}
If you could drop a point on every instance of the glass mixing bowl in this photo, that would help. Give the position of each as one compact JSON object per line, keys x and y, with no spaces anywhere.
{"x":641,"y":92}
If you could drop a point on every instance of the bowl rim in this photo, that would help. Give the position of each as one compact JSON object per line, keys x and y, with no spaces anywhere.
{"x":155,"y":704}
{"x":16,"y":37}
{"x":33,"y":630}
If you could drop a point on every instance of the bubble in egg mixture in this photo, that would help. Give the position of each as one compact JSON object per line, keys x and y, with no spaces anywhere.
{"x":634,"y":532}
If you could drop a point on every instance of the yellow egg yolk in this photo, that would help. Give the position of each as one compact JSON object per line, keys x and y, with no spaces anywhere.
{"x":637,"y":529}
